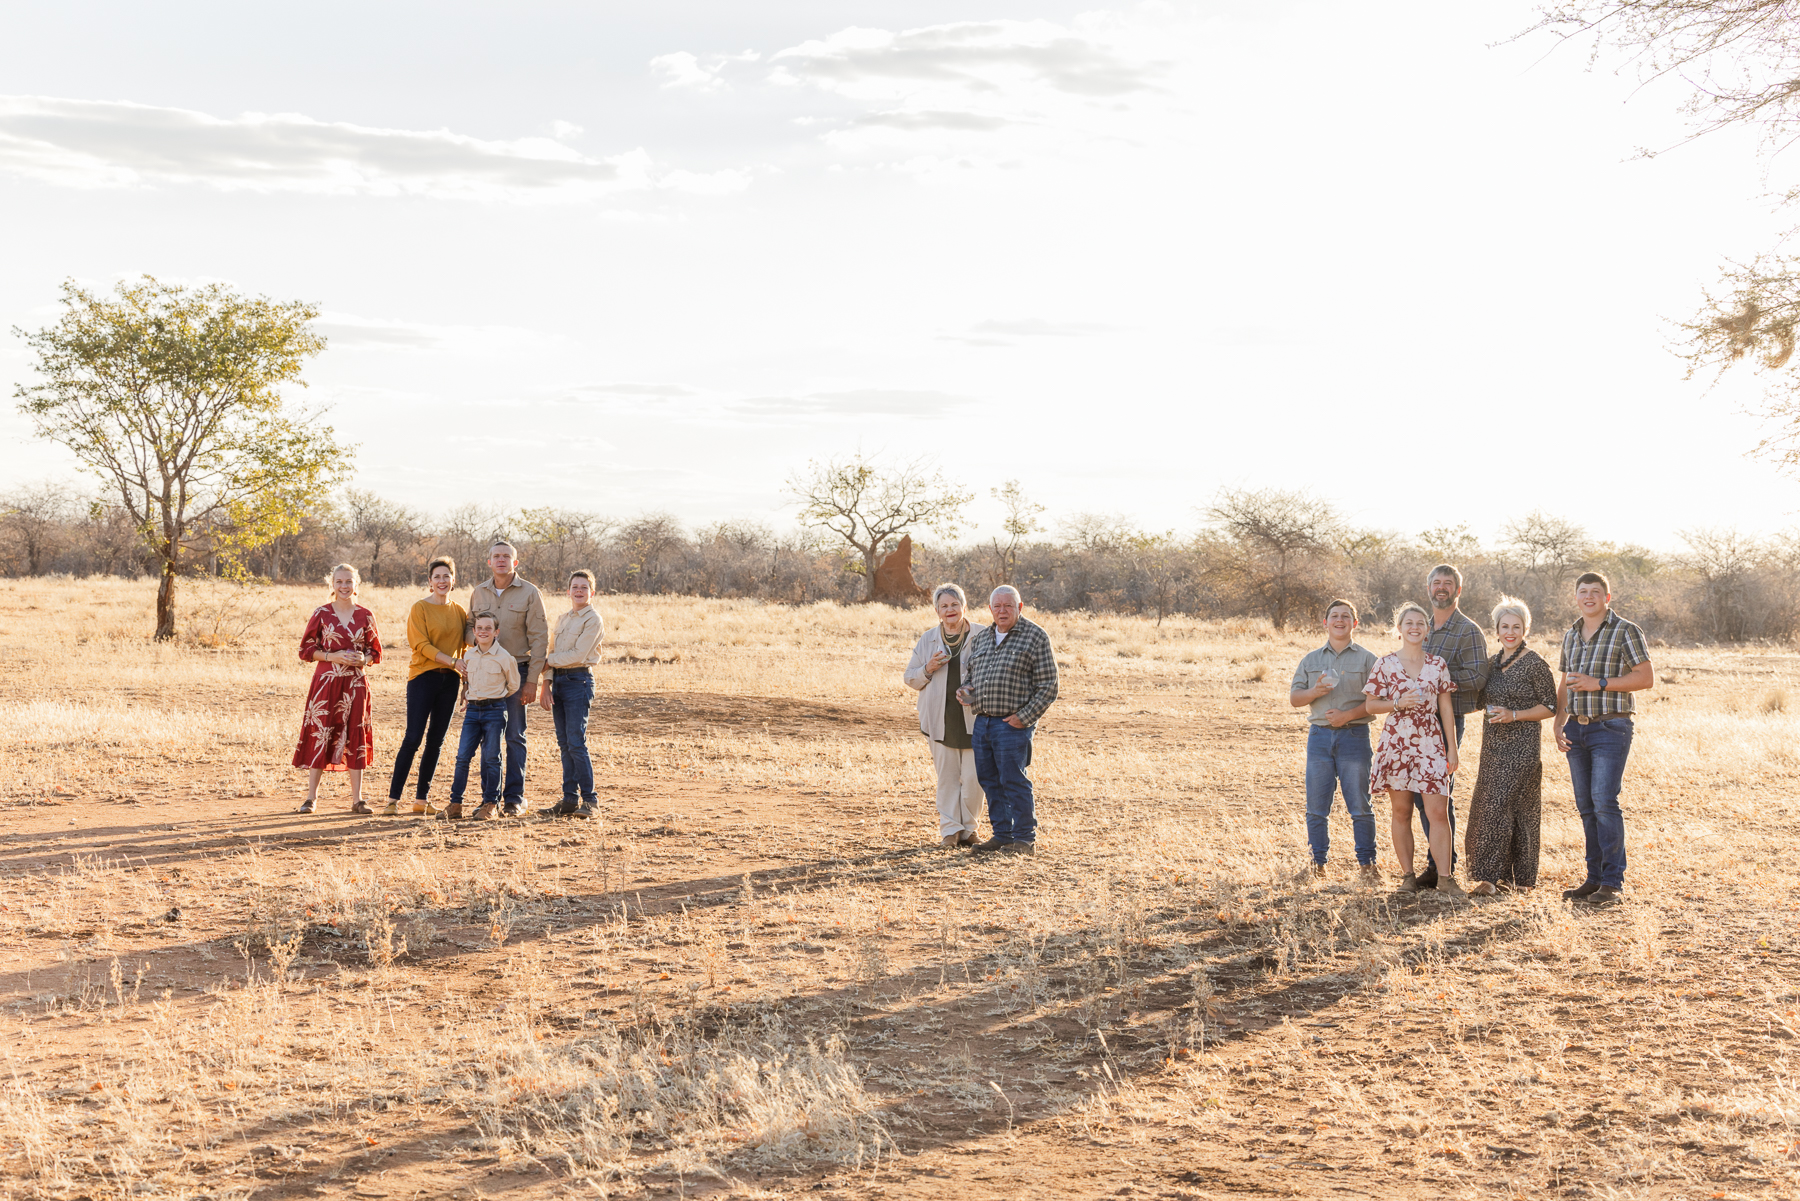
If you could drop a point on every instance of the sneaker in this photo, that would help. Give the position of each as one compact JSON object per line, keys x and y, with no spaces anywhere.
{"x":1409,"y":883}
{"x":1018,"y":848}
{"x":484,"y":812}
{"x":565,"y":807}
{"x":391,"y":809}
{"x":585,"y":811}
{"x":453,"y":811}
{"x":421,"y":807}
{"x":1603,"y":896}
{"x":992,"y":844}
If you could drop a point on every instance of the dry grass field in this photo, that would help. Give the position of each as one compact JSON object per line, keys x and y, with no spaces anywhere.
{"x":753,"y":979}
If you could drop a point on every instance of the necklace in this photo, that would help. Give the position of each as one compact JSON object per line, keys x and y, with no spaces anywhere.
{"x":1502,"y":663}
{"x":953,"y":646}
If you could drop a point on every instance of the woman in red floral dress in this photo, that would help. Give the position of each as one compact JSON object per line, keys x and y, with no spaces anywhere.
{"x":334,"y":731}
{"x":1414,"y":755}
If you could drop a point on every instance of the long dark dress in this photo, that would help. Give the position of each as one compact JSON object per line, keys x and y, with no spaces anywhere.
{"x":1500,"y":839}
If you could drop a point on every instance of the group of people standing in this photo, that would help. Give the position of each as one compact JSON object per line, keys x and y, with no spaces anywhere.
{"x":491,"y":659}
{"x":1441,"y":674}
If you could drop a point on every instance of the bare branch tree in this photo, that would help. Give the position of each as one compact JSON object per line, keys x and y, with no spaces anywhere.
{"x":1020,"y":522}
{"x":1281,"y":536}
{"x":865,"y":504}
{"x":35,"y":518}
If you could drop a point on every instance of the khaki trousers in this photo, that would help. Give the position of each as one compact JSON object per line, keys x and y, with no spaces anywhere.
{"x":959,"y":797}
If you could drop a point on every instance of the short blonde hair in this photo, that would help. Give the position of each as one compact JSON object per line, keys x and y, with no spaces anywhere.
{"x":1511,"y":605}
{"x":1410,"y":607}
{"x":355,"y":576}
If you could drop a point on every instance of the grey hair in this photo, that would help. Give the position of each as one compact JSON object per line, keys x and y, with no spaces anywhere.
{"x":954,"y":590}
{"x":1017,"y":599}
{"x":1515,"y":607}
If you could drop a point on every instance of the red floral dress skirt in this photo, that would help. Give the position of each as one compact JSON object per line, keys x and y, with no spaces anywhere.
{"x":1412,"y":755}
{"x":335,"y":733}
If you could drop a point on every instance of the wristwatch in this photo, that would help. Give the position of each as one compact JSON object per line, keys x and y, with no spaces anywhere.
{"x":1602,"y":683}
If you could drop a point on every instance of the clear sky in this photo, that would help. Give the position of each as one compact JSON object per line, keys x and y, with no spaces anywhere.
{"x":654,"y":256}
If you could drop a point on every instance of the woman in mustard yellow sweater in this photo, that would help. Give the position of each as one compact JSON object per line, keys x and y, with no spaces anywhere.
{"x":434,"y":628}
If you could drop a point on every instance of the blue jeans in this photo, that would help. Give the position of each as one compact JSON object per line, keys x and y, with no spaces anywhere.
{"x":430,"y":700}
{"x":1334,"y":758}
{"x":571,"y":693}
{"x":1597,"y":754}
{"x":484,"y":722}
{"x":1431,"y":864}
{"x":1001,"y":756}
{"x":515,"y":744}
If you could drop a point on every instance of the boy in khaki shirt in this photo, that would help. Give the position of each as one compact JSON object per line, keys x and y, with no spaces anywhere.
{"x":569,"y":692}
{"x":490,"y":678}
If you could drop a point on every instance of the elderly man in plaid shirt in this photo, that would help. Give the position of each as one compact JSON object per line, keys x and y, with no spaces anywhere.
{"x":1458,"y":642}
{"x":1012,"y":681}
{"x":1604,"y":660}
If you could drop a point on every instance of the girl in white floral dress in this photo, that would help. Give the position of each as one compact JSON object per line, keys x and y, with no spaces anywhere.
{"x":1415,"y":687}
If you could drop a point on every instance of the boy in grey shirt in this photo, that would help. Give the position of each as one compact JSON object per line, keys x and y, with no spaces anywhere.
{"x":1330,"y":681}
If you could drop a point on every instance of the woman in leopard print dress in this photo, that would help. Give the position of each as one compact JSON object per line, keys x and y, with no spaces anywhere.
{"x":1501,"y":832}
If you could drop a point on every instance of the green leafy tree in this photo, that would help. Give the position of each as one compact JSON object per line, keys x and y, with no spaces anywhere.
{"x":866,"y":504}
{"x":173,"y":396}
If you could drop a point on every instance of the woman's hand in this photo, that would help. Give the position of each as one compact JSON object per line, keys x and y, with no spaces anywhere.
{"x":937,"y":660}
{"x":1453,"y":761}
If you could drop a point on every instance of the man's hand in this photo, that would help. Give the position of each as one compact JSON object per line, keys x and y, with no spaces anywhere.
{"x":1012,"y":719}
{"x":527,"y":694}
{"x":1339,"y":718}
{"x":1321,"y":689}
{"x":965,"y":696}
{"x":1580,"y":683}
{"x":544,"y":697}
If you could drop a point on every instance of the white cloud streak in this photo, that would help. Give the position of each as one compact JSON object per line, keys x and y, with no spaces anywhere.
{"x":976,"y":56}
{"x":90,"y":143}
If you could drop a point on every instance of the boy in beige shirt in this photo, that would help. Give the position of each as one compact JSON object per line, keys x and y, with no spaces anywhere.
{"x":569,"y":691}
{"x":490,"y":677}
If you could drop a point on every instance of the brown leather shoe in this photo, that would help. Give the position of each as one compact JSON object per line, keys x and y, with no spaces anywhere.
{"x":967,"y":839}
{"x":948,"y":842}
{"x":1018,"y":848}
{"x":992,"y":844}
{"x":363,"y":808}
{"x":484,"y":812}
{"x":453,"y":811}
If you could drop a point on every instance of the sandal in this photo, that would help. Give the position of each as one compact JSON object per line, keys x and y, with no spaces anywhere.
{"x":362,"y":807}
{"x":306,"y":806}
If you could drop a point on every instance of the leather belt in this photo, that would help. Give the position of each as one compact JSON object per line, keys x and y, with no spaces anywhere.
{"x":1588,"y":721}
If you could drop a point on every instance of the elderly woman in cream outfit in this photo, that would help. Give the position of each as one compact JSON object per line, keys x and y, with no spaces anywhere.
{"x":935,"y":672}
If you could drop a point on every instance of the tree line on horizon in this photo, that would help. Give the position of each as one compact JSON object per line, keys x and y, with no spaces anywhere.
{"x":1268,"y":553}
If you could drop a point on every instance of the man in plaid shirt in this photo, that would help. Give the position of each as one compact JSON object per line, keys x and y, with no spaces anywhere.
{"x":1011,"y":682}
{"x":1604,"y":660}
{"x":1459,"y":643}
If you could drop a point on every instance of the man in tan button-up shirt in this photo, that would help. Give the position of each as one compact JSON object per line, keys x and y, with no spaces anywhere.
{"x":525,"y":634}
{"x":569,"y":691}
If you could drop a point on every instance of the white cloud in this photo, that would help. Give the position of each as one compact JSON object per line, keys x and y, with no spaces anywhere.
{"x":92,"y":143}
{"x":859,"y":402}
{"x":971,"y":56}
{"x":346,"y":331}
{"x":684,"y":70}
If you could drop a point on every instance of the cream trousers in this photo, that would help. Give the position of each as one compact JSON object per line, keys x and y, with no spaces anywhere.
{"x":959,"y":797}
